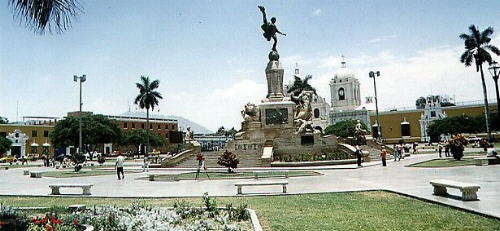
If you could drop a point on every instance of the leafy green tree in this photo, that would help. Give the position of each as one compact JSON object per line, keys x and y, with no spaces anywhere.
{"x":4,"y":120}
{"x":460,"y":124}
{"x":4,"y":145}
{"x":343,"y":129}
{"x":300,"y":85}
{"x":42,"y":15}
{"x":96,"y":129}
{"x":420,"y":102}
{"x":147,"y":98}
{"x":221,"y":131}
{"x":476,"y":50}
{"x":137,"y":137}
{"x":231,"y":132}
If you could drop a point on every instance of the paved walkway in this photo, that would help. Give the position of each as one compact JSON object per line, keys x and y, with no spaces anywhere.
{"x":395,"y":177}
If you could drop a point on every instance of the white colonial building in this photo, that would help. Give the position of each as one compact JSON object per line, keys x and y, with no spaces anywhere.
{"x":346,"y":97}
{"x":432,"y":111}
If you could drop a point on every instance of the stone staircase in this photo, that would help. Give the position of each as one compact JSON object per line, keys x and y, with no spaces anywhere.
{"x":247,"y":159}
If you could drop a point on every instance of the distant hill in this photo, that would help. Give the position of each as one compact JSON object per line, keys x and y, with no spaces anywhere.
{"x":183,"y":122}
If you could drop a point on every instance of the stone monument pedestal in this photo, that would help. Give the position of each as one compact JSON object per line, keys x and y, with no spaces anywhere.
{"x":274,"y":75}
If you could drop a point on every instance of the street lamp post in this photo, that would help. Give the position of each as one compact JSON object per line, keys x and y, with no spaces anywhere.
{"x":373,"y":75}
{"x":495,"y":72}
{"x":82,"y":79}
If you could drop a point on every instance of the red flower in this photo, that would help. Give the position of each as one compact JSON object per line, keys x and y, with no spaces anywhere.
{"x":48,"y":227}
{"x":56,"y":221}
{"x":75,"y":221}
{"x":2,"y":223}
{"x":33,"y":219}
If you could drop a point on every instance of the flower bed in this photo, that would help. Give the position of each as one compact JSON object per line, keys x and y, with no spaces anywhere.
{"x":136,"y":217}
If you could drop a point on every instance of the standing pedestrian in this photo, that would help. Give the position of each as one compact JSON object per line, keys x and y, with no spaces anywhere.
{"x":447,"y":149}
{"x":145,"y":166}
{"x":383,"y":155}
{"x":359,"y":153}
{"x":395,"y":152}
{"x":120,"y":160}
{"x":440,"y":149}
{"x":415,"y":144}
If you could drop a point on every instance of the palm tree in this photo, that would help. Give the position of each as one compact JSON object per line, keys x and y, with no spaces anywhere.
{"x":300,"y":85}
{"x":147,"y":98}
{"x":476,"y":49}
{"x":41,"y":15}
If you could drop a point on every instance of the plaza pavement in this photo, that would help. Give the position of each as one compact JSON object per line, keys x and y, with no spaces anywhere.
{"x":395,"y":177}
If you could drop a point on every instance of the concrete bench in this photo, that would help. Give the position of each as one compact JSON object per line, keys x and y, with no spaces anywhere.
{"x":35,"y":174}
{"x":55,"y":188}
{"x":468,"y":189}
{"x":152,"y":176}
{"x":481,"y":161}
{"x":284,"y":183}
{"x":26,"y":172}
{"x":257,"y":173}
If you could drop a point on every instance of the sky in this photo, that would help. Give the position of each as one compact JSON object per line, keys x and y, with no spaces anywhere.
{"x":210,"y":56}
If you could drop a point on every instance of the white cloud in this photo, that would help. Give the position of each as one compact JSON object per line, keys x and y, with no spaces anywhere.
{"x":218,"y":107}
{"x":382,"y":39}
{"x":434,"y":70}
{"x":317,"y":12}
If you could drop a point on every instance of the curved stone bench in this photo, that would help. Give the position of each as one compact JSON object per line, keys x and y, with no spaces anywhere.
{"x":468,"y":189}
{"x":35,"y":174}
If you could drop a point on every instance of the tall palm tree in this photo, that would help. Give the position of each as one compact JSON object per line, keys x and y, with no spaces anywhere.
{"x":476,"y":49}
{"x":300,"y":85}
{"x":147,"y":98}
{"x":41,"y":15}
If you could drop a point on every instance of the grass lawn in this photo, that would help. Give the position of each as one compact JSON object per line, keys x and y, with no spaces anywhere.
{"x":375,"y":210}
{"x":497,"y":145}
{"x":83,"y":172}
{"x":438,"y":163}
{"x":238,"y":175}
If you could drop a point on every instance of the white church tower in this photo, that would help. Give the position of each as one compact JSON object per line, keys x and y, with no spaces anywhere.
{"x":344,"y":89}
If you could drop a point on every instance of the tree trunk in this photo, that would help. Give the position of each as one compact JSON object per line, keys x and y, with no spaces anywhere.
{"x":147,"y":131}
{"x":486,"y":106}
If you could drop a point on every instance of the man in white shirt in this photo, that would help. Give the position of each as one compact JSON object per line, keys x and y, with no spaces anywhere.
{"x":120,"y":160}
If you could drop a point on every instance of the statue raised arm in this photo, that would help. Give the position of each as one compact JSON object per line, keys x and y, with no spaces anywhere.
{"x":270,"y":28}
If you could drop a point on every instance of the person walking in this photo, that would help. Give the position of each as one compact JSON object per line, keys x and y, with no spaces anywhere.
{"x":359,"y":153}
{"x":120,"y":160}
{"x":383,"y":155}
{"x":395,"y":152}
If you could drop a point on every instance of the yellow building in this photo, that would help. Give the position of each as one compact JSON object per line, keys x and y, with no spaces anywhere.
{"x":37,"y":138}
{"x":392,"y":122}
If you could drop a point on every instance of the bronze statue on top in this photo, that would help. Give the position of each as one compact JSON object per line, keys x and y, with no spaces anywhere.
{"x":270,"y":28}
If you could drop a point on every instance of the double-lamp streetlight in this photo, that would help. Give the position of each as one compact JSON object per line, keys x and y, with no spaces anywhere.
{"x":495,"y":72}
{"x":374,"y":74}
{"x":82,"y":79}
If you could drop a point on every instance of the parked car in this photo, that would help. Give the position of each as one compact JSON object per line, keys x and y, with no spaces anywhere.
{"x":8,"y":159}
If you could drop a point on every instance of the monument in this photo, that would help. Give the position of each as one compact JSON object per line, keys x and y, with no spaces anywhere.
{"x":278,"y":125}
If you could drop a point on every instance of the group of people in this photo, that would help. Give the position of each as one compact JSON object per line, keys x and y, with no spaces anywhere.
{"x":444,"y":147}
{"x":400,"y":150}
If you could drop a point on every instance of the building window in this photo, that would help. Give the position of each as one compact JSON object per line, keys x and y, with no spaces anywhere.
{"x":125,"y":125}
{"x":166,"y":126}
{"x":133,"y":125}
{"x":142,"y":126}
{"x":45,"y":133}
{"x":433,"y":113}
{"x":34,"y":133}
{"x":159,"y":127}
{"x":316,"y":113}
{"x":150,"y":126}
{"x":341,"y":94}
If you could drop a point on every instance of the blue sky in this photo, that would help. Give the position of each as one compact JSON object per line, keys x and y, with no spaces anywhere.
{"x":210,"y":55}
